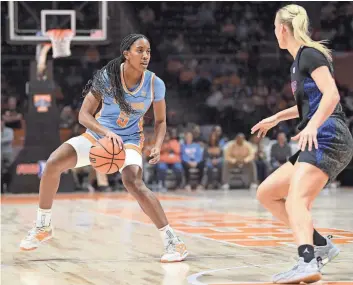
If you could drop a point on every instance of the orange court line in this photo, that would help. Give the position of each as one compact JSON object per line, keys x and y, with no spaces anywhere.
{"x":234,"y":236}
{"x":260,"y":242}
{"x":333,"y":230}
{"x":342,"y":240}
{"x":345,"y":235}
{"x":197,"y":230}
{"x":241,"y":231}
{"x":225,"y":224}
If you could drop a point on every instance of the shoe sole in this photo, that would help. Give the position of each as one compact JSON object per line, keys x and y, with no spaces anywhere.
{"x":34,"y":248}
{"x":177,"y":260}
{"x":308,"y":279}
{"x":333,"y":253}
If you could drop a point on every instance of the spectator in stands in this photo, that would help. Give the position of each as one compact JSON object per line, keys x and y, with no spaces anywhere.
{"x":186,"y":77}
{"x":214,"y":158}
{"x":212,"y":104}
{"x":179,"y":44}
{"x":7,"y":136}
{"x":147,"y":15}
{"x":169,"y":159}
{"x":6,"y":155}
{"x":205,"y":15}
{"x":192,"y":158}
{"x":228,"y":28}
{"x":221,"y":139}
{"x":174,"y":134}
{"x":12,"y":116}
{"x":239,"y":154}
{"x":197,"y":136}
{"x":280,"y":151}
{"x":67,"y":117}
{"x":260,"y":158}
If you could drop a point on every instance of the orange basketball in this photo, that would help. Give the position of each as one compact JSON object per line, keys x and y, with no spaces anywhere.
{"x":106,"y":157}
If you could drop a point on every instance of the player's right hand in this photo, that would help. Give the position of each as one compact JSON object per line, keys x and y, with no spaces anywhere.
{"x":264,"y":126}
{"x":116,"y":139}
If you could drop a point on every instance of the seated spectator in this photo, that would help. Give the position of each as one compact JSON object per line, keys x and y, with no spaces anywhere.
{"x":197,"y":136}
{"x":239,"y":154}
{"x":260,"y":158}
{"x":7,"y":137}
{"x":280,"y":151}
{"x":213,"y":159}
{"x":174,"y":134}
{"x":170,"y":159}
{"x":6,"y":155}
{"x":221,"y":139}
{"x":192,"y":157}
{"x":12,"y":116}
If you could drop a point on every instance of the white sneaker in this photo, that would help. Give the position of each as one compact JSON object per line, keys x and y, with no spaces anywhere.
{"x":35,"y":237}
{"x":301,"y":272}
{"x":225,"y":187}
{"x":325,"y":254}
{"x":175,"y":251}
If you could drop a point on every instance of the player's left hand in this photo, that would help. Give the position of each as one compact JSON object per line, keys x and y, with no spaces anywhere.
{"x":308,"y":136}
{"x":155,"y":155}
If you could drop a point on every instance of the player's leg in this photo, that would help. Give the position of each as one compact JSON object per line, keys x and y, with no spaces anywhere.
{"x":75,"y":152}
{"x":272,"y":193}
{"x":62,"y":159}
{"x":132,"y":179}
{"x":306,"y":184}
{"x":274,"y":189}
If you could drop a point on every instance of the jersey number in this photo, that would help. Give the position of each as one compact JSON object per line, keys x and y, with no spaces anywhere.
{"x":123,"y":119}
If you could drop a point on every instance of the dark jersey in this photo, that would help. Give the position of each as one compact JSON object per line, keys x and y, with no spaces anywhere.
{"x":305,"y":90}
{"x":335,"y":143}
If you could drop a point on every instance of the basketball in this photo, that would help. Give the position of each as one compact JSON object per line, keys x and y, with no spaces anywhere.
{"x":106,"y":157}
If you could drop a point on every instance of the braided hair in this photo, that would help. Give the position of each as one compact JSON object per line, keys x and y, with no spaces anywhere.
{"x":99,"y":85}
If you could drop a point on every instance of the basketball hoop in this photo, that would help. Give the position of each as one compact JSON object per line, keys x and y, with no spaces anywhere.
{"x":61,"y":40}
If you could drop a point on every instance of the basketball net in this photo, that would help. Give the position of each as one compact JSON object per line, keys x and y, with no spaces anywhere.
{"x":60,"y":40}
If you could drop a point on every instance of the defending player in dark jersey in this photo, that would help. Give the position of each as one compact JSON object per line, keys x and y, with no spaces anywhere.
{"x":325,"y":143}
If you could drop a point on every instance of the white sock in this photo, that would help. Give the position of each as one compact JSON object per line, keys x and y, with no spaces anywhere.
{"x":43,"y":218}
{"x":167,"y":233}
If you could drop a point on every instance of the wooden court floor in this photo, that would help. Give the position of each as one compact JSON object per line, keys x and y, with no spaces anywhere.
{"x":105,"y":239}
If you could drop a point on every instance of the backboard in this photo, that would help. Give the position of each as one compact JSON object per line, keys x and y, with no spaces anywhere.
{"x":29,"y":21}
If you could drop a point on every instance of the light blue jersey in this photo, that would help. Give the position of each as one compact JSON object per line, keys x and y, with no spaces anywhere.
{"x":130,"y":128}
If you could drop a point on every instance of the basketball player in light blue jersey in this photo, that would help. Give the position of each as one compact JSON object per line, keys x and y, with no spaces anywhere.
{"x":126,"y":90}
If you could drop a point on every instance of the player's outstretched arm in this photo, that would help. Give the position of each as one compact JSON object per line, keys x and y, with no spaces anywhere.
{"x":287,"y":114}
{"x":266,"y":124}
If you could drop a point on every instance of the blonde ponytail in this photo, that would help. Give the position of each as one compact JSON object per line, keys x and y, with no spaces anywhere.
{"x":296,"y":18}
